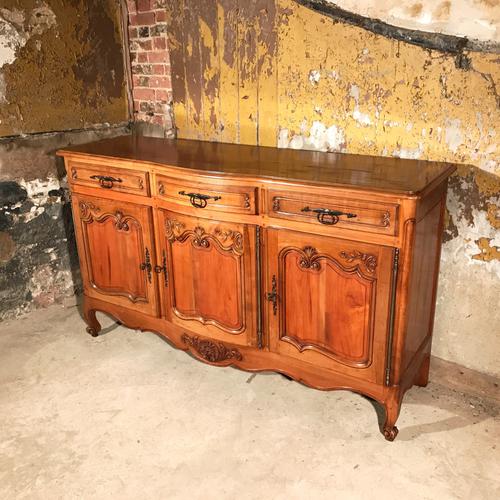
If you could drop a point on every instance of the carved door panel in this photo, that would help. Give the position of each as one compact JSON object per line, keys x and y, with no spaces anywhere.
{"x":211,"y":277}
{"x":115,"y":245}
{"x":328,"y":302}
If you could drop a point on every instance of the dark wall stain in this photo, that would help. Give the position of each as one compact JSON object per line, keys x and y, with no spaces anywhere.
{"x":38,"y":259}
{"x":476,"y":191}
{"x":69,"y":74}
{"x":44,"y":243}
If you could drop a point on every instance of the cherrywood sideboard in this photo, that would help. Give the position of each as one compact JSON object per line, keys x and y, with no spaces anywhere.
{"x":320,"y":266}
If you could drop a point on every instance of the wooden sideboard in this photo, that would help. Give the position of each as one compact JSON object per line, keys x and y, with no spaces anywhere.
{"x":320,"y":266}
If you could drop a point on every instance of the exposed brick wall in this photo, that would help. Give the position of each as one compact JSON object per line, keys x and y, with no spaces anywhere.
{"x":151,"y":83}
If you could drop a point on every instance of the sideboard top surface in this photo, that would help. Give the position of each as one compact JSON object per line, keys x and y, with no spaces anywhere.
{"x":392,"y":175}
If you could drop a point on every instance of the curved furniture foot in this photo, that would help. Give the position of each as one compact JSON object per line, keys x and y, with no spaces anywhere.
{"x":94,"y":327}
{"x":392,"y":407}
{"x":391,"y":433}
{"x":91,"y":331}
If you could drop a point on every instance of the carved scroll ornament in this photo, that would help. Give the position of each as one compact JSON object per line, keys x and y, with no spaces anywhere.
{"x":367,"y":259}
{"x":90,"y":213}
{"x":227,"y":239}
{"x":213,"y":352}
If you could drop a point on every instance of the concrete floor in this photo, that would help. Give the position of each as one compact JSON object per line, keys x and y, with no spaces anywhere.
{"x":127,"y":416}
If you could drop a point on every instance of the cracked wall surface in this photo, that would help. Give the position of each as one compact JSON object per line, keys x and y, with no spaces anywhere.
{"x":274,"y":72}
{"x":61,"y":68}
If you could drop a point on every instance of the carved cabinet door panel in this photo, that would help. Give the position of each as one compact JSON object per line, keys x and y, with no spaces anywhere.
{"x":328,"y":302}
{"x":211,"y":276}
{"x":115,"y":245}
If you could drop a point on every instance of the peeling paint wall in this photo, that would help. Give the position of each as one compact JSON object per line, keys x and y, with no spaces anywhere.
{"x":61,"y":65}
{"x":61,"y":68}
{"x":273,"y":72}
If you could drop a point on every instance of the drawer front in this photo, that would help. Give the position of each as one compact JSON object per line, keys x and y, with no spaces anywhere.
{"x":338,"y":211}
{"x":205,"y":194}
{"x":109,"y":178}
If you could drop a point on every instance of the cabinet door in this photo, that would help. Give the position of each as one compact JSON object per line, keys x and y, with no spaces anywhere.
{"x":115,"y":246}
{"x":211,"y":276}
{"x":329,"y":302}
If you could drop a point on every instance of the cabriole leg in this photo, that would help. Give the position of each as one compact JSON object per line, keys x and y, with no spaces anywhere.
{"x":392,"y":407}
{"x":93,"y":326}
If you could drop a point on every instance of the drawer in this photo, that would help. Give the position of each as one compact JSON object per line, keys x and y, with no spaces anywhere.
{"x":360,"y":215}
{"x":207,"y":194}
{"x":109,"y":178}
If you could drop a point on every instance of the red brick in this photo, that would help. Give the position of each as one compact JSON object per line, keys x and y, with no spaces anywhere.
{"x":161,"y":82}
{"x":161,"y":16}
{"x":131,"y":6}
{"x":142,"y":57}
{"x":144,"y":5}
{"x":158,"y":69}
{"x":158,"y":119}
{"x":144,"y":94}
{"x":145,"y":18}
{"x":137,"y":105}
{"x":132,"y":32}
{"x":137,"y":45}
{"x":140,"y":81}
{"x":162,"y":95}
{"x":160,"y":42}
{"x":141,"y":69}
{"x":147,"y":107}
{"x":132,"y":19}
{"x":158,"y":57}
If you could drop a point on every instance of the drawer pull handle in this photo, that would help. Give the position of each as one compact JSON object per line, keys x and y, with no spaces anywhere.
{"x":106,"y":181}
{"x":199,"y":200}
{"x":327,"y":216}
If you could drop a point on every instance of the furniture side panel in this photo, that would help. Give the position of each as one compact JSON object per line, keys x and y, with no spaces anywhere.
{"x":423,"y":282}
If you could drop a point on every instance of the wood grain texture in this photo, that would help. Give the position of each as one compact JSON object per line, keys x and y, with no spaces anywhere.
{"x":211,"y":276}
{"x":331,"y":312}
{"x":113,"y":237}
{"x":91,"y":175}
{"x":392,"y":175}
{"x":247,"y":280}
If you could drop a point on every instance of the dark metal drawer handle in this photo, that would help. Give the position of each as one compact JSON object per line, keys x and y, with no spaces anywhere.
{"x":327,"y":216}
{"x":199,"y":200}
{"x":105,"y":180}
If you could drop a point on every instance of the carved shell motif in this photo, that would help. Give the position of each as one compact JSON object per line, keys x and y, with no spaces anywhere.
{"x":213,"y":352}
{"x":310,"y":259}
{"x":367,"y":259}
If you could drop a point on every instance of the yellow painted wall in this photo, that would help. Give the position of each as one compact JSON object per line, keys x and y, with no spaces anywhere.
{"x":272,"y":72}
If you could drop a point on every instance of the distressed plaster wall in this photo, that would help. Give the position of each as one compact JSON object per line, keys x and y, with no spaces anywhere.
{"x":477,"y":19}
{"x":274,"y":72}
{"x":61,"y":69}
{"x":61,"y":65}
